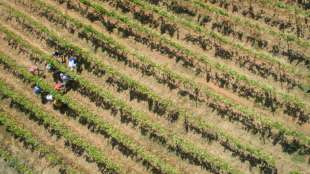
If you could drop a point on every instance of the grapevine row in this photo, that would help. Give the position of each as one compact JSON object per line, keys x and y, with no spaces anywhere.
{"x":166,"y":106}
{"x":13,"y":161}
{"x":106,"y":100}
{"x":248,"y":120}
{"x":94,"y":122}
{"x":288,"y":7}
{"x":175,"y":19}
{"x":287,"y":25}
{"x":256,"y":65}
{"x":56,"y":128}
{"x":221,"y":40}
{"x":226,"y":24}
{"x":246,"y":22}
{"x":245,"y":87}
{"x":144,"y":16}
{"x":31,"y":142}
{"x":261,"y":92}
{"x":262,"y":69}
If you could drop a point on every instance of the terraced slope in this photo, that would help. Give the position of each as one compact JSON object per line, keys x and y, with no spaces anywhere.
{"x":187,"y":86}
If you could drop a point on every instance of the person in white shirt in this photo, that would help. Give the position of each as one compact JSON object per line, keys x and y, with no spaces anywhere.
{"x":49,"y":98}
{"x":72,"y":63}
{"x":64,"y":78}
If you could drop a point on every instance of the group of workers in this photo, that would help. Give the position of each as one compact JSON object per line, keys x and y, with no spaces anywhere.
{"x":62,"y":80}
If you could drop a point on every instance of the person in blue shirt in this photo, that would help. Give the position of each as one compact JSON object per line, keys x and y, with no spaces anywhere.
{"x":37,"y":90}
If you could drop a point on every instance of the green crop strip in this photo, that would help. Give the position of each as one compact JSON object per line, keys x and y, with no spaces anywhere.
{"x":187,"y":83}
{"x":19,"y":133}
{"x":12,"y":161}
{"x":162,"y":39}
{"x":293,"y":9}
{"x":166,"y":103}
{"x":191,"y":121}
{"x":204,"y":32}
{"x":284,"y":98}
{"x":234,"y":143}
{"x":173,"y":141}
{"x":254,"y":25}
{"x":86,"y":116}
{"x":59,"y":128}
{"x":249,"y":114}
{"x":264,"y":88}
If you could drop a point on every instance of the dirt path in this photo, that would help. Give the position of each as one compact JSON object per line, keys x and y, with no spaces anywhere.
{"x":17,"y":149}
{"x":283,"y":118}
{"x":171,"y":156}
{"x":278,"y":87}
{"x":178,"y":129}
{"x":141,"y":106}
{"x":227,"y":156}
{"x":210,"y":54}
{"x":40,"y":133}
{"x":140,"y":78}
{"x":5,"y":168}
{"x":228,"y":160}
{"x":279,"y":116}
{"x":99,"y":141}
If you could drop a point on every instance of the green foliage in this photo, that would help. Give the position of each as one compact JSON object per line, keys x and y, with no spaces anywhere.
{"x":258,"y":154}
{"x":203,"y":126}
{"x":138,"y":117}
{"x":51,"y":122}
{"x":13,"y":162}
{"x":248,"y":23}
{"x":26,"y":136}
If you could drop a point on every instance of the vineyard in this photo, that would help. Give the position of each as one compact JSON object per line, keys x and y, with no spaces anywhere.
{"x":155,"y":86}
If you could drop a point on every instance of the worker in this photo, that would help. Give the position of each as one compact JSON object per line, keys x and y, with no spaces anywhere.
{"x":49,"y":67}
{"x":58,"y":86}
{"x":34,"y":70}
{"x":56,"y":53}
{"x":72,"y":64}
{"x":49,"y":98}
{"x":37,"y":90}
{"x":64,"y":78}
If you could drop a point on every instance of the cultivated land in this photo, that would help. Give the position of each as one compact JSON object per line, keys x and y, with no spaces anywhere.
{"x":162,"y":86}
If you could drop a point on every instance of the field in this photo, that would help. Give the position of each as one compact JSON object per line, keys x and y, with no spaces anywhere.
{"x":161,"y":86}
